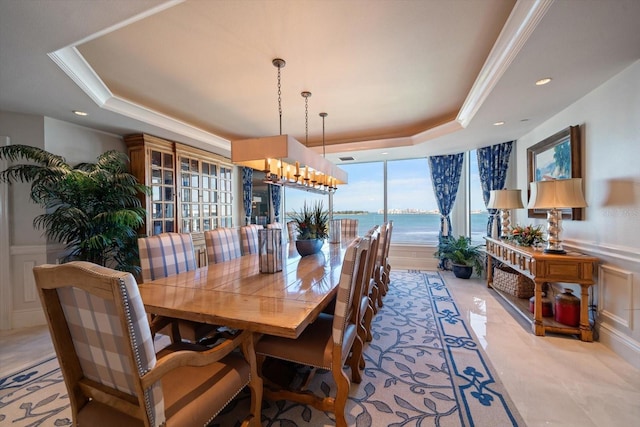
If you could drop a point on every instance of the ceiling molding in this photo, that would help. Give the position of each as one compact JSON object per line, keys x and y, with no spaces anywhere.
{"x":523,"y":20}
{"x":78,"y":69}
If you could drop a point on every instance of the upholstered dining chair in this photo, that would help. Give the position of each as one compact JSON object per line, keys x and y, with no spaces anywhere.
{"x":367,"y":304}
{"x":113,"y":375}
{"x":348,"y":228}
{"x":249,"y":238}
{"x":386,"y":272}
{"x":223,"y":244}
{"x":165,"y":255}
{"x":292,"y":226}
{"x":330,"y":342}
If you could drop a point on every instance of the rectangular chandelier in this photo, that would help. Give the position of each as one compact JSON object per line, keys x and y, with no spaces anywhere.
{"x":285,"y":161}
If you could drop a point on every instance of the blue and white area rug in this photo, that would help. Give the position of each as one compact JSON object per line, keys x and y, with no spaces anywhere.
{"x":423,"y":368}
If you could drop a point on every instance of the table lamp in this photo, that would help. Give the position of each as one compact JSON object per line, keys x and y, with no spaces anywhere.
{"x":504,"y":200}
{"x":555,"y":195}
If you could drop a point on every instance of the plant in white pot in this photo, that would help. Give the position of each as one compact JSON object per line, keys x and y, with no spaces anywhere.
{"x":312,"y":227}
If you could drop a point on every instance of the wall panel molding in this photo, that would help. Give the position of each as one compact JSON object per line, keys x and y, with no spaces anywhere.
{"x":621,"y":344}
{"x":613,"y":252}
{"x":616,"y":285}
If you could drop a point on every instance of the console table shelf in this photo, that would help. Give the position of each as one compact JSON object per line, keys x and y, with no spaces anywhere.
{"x":572,"y":267}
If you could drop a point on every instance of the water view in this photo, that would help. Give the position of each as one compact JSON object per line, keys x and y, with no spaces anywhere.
{"x":416,"y":228}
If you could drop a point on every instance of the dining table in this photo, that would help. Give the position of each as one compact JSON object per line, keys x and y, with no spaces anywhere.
{"x":237,"y":295}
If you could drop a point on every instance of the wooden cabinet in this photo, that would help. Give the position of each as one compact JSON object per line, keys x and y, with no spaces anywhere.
{"x":572,"y":267}
{"x":191,"y":189}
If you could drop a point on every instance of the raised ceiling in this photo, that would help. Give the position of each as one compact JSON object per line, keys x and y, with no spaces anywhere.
{"x":408,"y":78}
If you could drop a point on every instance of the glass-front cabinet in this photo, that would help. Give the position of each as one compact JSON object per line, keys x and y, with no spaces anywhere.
{"x":191,"y":189}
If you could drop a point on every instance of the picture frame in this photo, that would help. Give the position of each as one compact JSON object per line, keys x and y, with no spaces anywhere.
{"x":556,"y":157}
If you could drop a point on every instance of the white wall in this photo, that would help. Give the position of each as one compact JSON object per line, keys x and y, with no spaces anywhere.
{"x":28,"y":246}
{"x":609,"y":119}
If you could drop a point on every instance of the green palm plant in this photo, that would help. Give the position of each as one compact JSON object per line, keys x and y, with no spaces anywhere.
{"x":92,"y":208}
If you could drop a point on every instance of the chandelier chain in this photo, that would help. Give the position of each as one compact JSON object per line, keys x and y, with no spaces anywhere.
{"x":280,"y":100}
{"x":306,"y":120}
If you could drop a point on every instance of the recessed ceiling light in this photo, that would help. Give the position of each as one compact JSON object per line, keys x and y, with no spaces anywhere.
{"x":543,"y":81}
{"x":498,"y":123}
{"x":384,"y":153}
{"x":80,"y":113}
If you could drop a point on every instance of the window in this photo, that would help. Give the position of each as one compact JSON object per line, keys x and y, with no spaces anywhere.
{"x":478,"y":214}
{"x":363,"y":197}
{"x":411,"y":203}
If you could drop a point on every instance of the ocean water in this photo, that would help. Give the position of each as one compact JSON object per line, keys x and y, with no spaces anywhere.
{"x":416,"y":228}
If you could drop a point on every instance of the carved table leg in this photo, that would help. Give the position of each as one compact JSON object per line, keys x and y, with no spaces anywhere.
{"x":538,"y":326}
{"x":586,"y":334}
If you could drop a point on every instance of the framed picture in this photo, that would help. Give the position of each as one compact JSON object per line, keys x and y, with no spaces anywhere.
{"x":557,"y":157}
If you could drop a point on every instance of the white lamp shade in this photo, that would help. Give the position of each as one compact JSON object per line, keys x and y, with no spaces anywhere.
{"x":505,"y":199}
{"x":560,"y":194}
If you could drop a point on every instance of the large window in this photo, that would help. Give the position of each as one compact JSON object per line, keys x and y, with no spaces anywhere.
{"x":410,"y":202}
{"x":478,"y":212}
{"x":363,"y":197}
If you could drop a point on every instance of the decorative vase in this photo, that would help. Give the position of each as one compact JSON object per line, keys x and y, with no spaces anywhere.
{"x":547,"y":305}
{"x":309,"y":247}
{"x":462,"y":271}
{"x":568,"y":308}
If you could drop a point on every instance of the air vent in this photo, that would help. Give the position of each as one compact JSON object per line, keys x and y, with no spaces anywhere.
{"x":346,"y":159}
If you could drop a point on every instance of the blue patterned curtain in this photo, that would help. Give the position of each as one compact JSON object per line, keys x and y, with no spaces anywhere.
{"x":276,"y":192}
{"x":445,"y":176}
{"x":247,"y":193}
{"x":493,"y":162}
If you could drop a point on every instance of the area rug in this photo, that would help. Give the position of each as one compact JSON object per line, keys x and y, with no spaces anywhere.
{"x":424,"y":367}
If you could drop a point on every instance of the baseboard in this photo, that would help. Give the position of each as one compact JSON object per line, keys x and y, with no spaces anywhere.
{"x":620,"y":344}
{"x":27,"y":318}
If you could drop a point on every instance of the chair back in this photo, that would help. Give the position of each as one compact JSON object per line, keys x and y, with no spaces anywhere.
{"x":348,"y":228}
{"x":275,"y":225}
{"x":104,"y":353}
{"x":166,"y":254}
{"x":292,"y":226}
{"x":249,"y":237}
{"x":346,"y":313}
{"x":223,"y":244}
{"x":375,"y":236}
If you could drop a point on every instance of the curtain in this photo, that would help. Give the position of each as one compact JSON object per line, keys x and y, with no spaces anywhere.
{"x":445,"y":176}
{"x":247,"y":193}
{"x":276,"y":192}
{"x":493,"y":162}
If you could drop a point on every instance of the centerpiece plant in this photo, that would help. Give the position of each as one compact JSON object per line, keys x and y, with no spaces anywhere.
{"x":312,"y":226}
{"x":527,"y":235}
{"x":92,"y":208}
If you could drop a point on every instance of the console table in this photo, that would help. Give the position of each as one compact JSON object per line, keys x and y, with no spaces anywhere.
{"x":573,"y":267}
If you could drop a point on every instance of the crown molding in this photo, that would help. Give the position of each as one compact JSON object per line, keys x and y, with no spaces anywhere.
{"x":523,"y":20}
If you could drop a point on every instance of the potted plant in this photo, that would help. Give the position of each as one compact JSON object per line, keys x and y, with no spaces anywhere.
{"x":463,"y":256}
{"x":312,"y":227}
{"x":92,"y":208}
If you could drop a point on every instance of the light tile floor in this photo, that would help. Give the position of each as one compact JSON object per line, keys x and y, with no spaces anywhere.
{"x":553,"y":380}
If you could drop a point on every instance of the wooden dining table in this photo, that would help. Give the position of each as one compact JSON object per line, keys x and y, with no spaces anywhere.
{"x":237,"y":295}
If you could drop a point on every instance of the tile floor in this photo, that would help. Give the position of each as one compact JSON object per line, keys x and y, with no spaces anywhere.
{"x":553,"y":380}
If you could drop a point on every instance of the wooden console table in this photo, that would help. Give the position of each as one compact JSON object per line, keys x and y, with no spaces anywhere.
{"x":572,"y":267}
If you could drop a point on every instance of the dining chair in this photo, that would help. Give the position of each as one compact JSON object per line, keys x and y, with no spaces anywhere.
{"x":292,"y":227}
{"x":367,"y":303}
{"x":330,"y":342}
{"x":276,"y":225}
{"x":386,"y":273}
{"x":112,"y":373}
{"x":348,"y":228}
{"x":249,"y":238}
{"x":223,"y":244}
{"x":165,"y":255}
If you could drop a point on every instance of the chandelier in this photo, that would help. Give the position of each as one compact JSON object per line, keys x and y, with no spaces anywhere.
{"x":284,"y":160}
